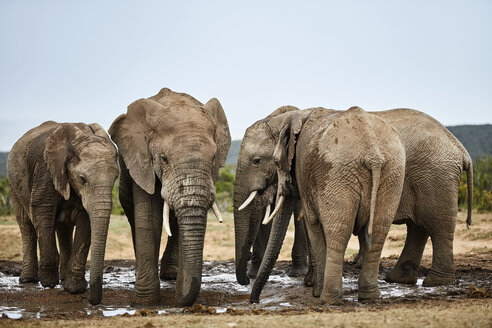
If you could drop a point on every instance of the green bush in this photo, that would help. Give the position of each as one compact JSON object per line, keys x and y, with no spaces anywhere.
{"x":5,"y":201}
{"x":224,"y":188}
{"x":117,"y":209}
{"x":482,"y":185}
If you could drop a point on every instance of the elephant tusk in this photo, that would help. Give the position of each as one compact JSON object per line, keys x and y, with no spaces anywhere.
{"x":267,"y":212}
{"x":165,"y":213}
{"x":217,"y":212}
{"x":275,"y":211}
{"x":249,"y":200}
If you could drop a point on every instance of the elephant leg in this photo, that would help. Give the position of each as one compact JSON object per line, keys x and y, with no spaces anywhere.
{"x":318,"y":244}
{"x":370,"y":258}
{"x":309,"y":278}
{"x":299,"y":253}
{"x":170,"y":258}
{"x":64,"y":234}
{"x":75,"y":281}
{"x":147,"y":286}
{"x":29,"y":248}
{"x":337,"y":226}
{"x":44,"y":218}
{"x":405,"y":270}
{"x":442,"y":271}
{"x":259,"y":247}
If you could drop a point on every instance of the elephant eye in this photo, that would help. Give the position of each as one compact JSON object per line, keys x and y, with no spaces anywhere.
{"x":164,"y":159}
{"x":257,"y":160}
{"x":83,"y":179}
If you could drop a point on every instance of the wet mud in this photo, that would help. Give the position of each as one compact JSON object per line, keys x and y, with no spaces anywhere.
{"x":220,"y":293}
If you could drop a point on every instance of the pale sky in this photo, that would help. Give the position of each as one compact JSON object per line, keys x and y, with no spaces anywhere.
{"x":86,"y":61}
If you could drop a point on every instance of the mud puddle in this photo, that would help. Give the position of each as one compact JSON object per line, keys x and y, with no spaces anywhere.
{"x":220,"y":292}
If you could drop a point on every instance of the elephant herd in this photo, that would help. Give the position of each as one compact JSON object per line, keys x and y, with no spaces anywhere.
{"x":337,"y":172}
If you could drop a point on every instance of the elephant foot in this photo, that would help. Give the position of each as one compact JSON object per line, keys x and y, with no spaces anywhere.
{"x":438,"y":279}
{"x":252,"y":271}
{"x":297,"y":270}
{"x":169,"y":273}
{"x":404,"y":273}
{"x":370,"y":294}
{"x":333,"y":298}
{"x":28,"y":280}
{"x":147,"y":297}
{"x":49,"y":279}
{"x":308,"y":279}
{"x":75,"y":286}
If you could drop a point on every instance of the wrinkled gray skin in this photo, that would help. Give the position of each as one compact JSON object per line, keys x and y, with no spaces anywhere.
{"x":256,"y":171}
{"x":171,"y":148}
{"x":61,"y":176}
{"x":428,"y":205}
{"x":350,"y":180}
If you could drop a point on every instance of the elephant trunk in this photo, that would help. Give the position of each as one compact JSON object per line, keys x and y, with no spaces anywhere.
{"x":192,"y":219}
{"x":190,"y":203}
{"x":99,"y":220}
{"x":245,"y":227}
{"x":277,"y":236}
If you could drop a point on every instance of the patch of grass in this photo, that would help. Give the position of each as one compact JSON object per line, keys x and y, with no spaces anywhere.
{"x":479,"y":235}
{"x":484,"y":249}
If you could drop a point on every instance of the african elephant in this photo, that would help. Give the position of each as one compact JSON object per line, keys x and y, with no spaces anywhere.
{"x":254,"y":193}
{"x":349,"y":178}
{"x":61,"y":175}
{"x":171,"y":147}
{"x":435,"y":160}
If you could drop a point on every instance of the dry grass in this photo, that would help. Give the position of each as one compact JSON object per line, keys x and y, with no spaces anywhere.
{"x":219,"y":239}
{"x":471,"y":313}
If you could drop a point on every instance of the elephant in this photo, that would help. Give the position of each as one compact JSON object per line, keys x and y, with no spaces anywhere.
{"x":428,"y":204}
{"x":349,"y":179}
{"x":61,"y":175}
{"x":254,"y":191}
{"x":171,"y":147}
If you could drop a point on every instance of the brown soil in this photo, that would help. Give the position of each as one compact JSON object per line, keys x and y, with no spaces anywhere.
{"x":465,"y":303}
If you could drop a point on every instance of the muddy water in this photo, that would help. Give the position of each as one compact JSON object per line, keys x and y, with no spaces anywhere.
{"x":219,"y":291}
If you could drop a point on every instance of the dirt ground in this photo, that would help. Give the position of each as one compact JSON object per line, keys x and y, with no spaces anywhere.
{"x":285,"y":302}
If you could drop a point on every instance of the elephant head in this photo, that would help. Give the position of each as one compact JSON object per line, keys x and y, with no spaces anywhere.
{"x":176,"y":140}
{"x":255,"y":185}
{"x":82,"y":159}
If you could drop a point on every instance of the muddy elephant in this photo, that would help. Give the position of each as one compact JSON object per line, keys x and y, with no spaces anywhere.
{"x":435,"y":160}
{"x":254,"y":196}
{"x":171,"y":147}
{"x":61,"y":175}
{"x":348,"y":169}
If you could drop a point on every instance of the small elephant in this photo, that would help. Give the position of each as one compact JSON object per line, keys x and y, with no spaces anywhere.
{"x":435,"y":160}
{"x":61,"y":175}
{"x":348,"y":169}
{"x":171,"y":147}
{"x":254,"y":194}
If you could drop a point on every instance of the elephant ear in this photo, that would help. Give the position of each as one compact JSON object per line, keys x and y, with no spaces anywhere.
{"x":130,"y":132}
{"x":286,"y":146}
{"x":222,"y":136}
{"x":56,"y":151}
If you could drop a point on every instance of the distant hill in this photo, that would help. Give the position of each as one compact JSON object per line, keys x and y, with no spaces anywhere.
{"x":233,"y":152}
{"x":477,"y":139}
{"x":3,"y":162}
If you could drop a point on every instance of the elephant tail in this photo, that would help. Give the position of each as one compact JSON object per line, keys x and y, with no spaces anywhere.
{"x":468,"y":167}
{"x":376,"y":173}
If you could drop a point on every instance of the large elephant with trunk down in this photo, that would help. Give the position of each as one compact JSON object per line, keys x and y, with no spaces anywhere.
{"x":254,"y":198}
{"x":61,"y":175}
{"x":171,"y":147}
{"x":348,"y":169}
{"x":435,"y":160}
